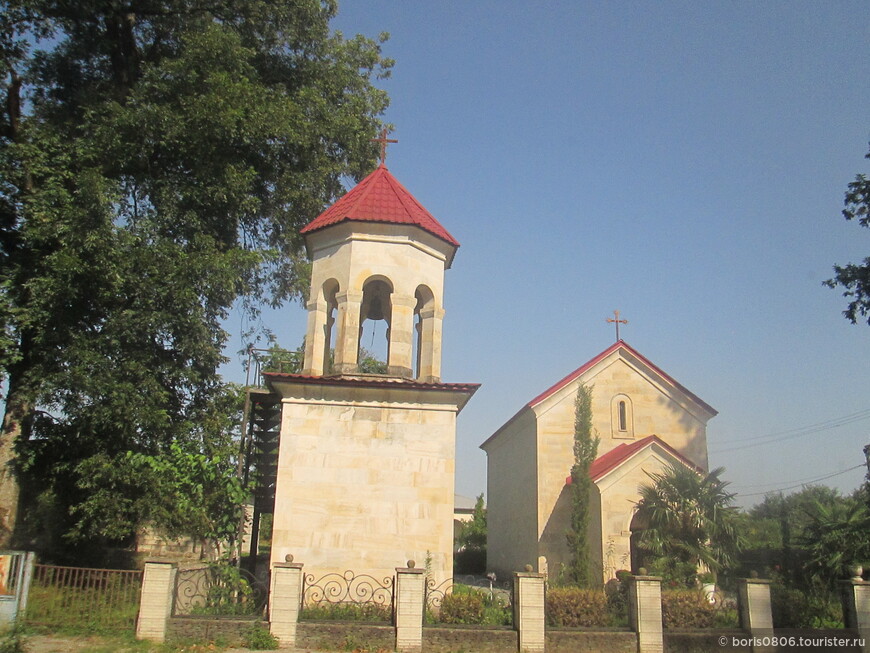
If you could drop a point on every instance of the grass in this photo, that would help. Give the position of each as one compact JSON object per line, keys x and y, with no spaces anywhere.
{"x":73,"y":610}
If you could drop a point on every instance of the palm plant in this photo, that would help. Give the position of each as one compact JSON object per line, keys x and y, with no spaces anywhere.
{"x":689,"y":519}
{"x":836,"y":537}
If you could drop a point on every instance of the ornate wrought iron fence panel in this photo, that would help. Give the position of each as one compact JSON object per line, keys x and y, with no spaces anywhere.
{"x":469,"y":599}
{"x":347,"y":597}
{"x":218,"y":590}
{"x":84,"y":599}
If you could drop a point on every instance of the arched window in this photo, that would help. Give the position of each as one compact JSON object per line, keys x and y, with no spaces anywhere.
{"x":330,"y":290}
{"x":621,"y":417}
{"x":423,"y":336}
{"x":374,"y":337}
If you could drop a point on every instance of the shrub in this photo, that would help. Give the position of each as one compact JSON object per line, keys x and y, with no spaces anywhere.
{"x":470,"y":560}
{"x":469,"y":605}
{"x":258,"y":638}
{"x":616,"y":591}
{"x":572,"y":607}
{"x":10,"y":640}
{"x":462,"y":608}
{"x":793,"y":608}
{"x":687,"y":609}
{"x":347,"y":612}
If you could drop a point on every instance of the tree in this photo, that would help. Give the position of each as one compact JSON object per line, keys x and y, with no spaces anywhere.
{"x":164,"y":159}
{"x":471,"y":542}
{"x":585,"y":449}
{"x":689,"y":520}
{"x":856,"y":278}
{"x":837,"y":537}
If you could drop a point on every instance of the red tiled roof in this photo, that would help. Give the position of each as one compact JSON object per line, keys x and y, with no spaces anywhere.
{"x":370,"y":381}
{"x":620,"y":344}
{"x":380,"y":198}
{"x":615,"y":457}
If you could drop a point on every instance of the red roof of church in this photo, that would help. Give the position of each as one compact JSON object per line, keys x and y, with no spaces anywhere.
{"x":620,"y":344}
{"x":380,"y":198}
{"x":615,"y":457}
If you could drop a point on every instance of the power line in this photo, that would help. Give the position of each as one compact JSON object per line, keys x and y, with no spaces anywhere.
{"x":801,"y":484}
{"x":779,"y":436}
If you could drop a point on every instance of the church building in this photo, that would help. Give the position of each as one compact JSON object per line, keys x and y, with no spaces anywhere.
{"x":645,"y":421}
{"x":365,"y":469}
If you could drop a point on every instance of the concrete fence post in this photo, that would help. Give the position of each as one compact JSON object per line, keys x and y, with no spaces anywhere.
{"x":285,"y":601}
{"x":529,"y":618}
{"x":410,"y":608}
{"x":856,"y":608}
{"x":753,"y":603}
{"x":156,"y":600}
{"x":645,"y":612}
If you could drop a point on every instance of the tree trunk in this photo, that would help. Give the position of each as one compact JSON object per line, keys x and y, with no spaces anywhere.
{"x":16,"y":425}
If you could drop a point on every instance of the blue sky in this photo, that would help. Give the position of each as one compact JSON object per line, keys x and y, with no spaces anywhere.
{"x":683,"y":162}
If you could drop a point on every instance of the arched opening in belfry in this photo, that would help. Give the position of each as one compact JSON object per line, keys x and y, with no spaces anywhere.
{"x":376,"y":313}
{"x":422,"y":312}
{"x":330,"y":292}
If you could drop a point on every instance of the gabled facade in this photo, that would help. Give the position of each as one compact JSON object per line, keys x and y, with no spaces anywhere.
{"x":645,"y":420}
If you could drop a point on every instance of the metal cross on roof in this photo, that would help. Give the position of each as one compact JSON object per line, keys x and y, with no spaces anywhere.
{"x":383,"y":140}
{"x":615,"y":320}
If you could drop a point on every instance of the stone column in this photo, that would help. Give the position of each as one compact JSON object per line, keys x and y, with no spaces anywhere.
{"x":401,"y":335}
{"x":410,"y":607}
{"x":347,"y":342}
{"x":753,"y":601}
{"x":856,"y":608}
{"x":156,"y":600}
{"x":645,"y":612}
{"x":315,"y":340}
{"x":430,"y":345}
{"x":529,"y":617}
{"x":285,"y":601}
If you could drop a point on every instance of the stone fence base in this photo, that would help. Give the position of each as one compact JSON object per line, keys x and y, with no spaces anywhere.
{"x":529,"y":634}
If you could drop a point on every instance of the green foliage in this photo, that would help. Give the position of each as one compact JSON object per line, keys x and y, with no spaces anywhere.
{"x":686,"y":608}
{"x":368,"y":363}
{"x":689,"y":518}
{"x":471,"y":542}
{"x":585,"y":449}
{"x":855,"y":278}
{"x":793,"y":608}
{"x":471,"y":605}
{"x":12,"y":640}
{"x":258,"y":638}
{"x":574,"y":607}
{"x":83,"y":610}
{"x":675,"y":573}
{"x":819,"y":535}
{"x":469,"y":561}
{"x":347,"y":612}
{"x":228,"y":593}
{"x":836,"y":538}
{"x":159,"y":171}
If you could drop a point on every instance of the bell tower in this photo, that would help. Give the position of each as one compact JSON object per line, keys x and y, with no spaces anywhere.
{"x":365,"y":470}
{"x":377,"y":254}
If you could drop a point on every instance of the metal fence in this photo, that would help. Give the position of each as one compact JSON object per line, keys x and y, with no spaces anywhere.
{"x":480,"y":600}
{"x":219,"y":590}
{"x":347,"y":597}
{"x":84,"y":600}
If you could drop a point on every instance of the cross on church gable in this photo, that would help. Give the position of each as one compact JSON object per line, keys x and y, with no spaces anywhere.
{"x":615,"y":320}
{"x":383,"y":140}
